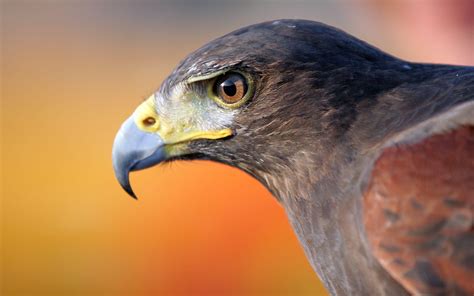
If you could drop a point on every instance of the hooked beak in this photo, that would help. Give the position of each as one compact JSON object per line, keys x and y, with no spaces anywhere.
{"x":145,"y":139}
{"x":134,"y":150}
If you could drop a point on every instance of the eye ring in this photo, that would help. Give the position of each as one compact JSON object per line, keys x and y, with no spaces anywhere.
{"x":231,"y":89}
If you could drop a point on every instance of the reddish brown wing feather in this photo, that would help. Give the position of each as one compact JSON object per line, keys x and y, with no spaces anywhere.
{"x":418,"y":213}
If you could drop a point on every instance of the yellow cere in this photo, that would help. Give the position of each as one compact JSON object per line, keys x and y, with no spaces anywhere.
{"x":145,"y":111}
{"x":147,"y":119}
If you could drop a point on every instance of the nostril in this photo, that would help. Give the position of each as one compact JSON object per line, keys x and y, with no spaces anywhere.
{"x":149,"y":121}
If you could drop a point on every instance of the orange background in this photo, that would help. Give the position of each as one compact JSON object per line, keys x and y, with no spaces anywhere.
{"x":72,"y":71}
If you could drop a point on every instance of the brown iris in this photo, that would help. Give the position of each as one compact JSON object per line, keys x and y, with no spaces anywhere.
{"x":231,"y":88}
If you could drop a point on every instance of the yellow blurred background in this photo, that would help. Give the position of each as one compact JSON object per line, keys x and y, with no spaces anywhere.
{"x":72,"y":71}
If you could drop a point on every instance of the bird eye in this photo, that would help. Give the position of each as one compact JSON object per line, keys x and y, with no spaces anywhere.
{"x":231,"y":88}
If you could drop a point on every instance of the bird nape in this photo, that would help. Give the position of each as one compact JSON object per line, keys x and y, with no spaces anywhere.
{"x":371,"y":156}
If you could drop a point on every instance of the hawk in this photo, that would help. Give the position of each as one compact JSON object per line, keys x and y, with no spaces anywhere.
{"x":371,"y":156}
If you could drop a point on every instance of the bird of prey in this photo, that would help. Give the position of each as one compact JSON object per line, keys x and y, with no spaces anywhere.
{"x":371,"y":156}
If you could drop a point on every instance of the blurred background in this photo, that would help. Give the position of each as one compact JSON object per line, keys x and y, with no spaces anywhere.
{"x":72,"y":71}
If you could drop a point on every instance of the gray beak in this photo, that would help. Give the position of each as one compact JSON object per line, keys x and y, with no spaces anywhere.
{"x":134,"y":150}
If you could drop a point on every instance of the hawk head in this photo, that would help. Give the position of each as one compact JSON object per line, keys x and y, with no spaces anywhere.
{"x":271,"y":99}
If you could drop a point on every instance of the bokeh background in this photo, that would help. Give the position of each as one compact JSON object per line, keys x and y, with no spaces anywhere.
{"x":72,"y":71}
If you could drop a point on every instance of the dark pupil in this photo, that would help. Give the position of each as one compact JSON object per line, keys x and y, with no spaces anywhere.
{"x":229,"y":87}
